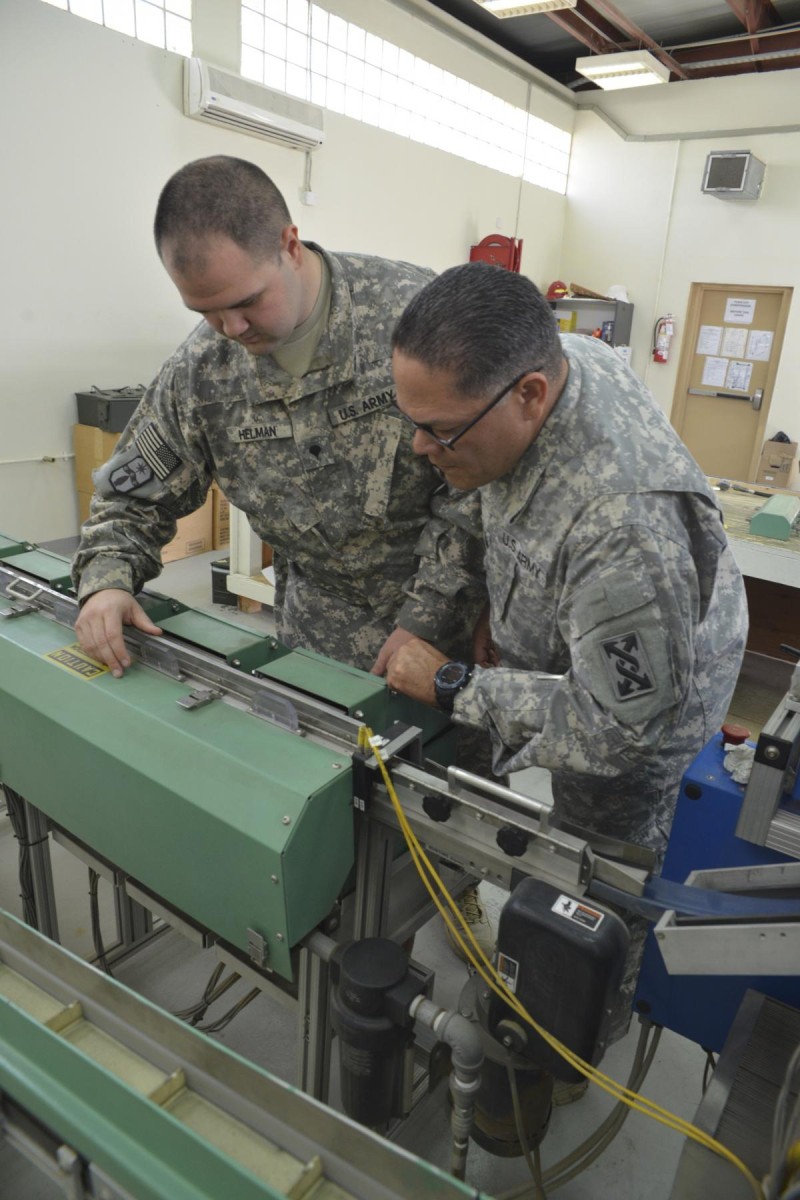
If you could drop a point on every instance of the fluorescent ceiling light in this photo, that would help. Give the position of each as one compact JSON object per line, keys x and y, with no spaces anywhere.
{"x":633,"y":68}
{"x":522,"y":8}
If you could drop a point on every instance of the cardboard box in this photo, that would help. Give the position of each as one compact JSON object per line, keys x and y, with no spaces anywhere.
{"x":93,"y":447}
{"x":220,"y":518}
{"x":777,"y":466}
{"x":193,"y":536}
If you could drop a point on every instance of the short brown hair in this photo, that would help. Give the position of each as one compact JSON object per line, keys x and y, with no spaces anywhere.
{"x":221,"y":195}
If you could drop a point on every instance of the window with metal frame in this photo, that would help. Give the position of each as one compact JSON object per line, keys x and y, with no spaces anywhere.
{"x":163,"y":23}
{"x":300,"y":48}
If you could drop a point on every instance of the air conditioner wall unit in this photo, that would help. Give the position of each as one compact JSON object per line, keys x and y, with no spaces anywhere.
{"x":211,"y":94}
{"x":733,"y":175}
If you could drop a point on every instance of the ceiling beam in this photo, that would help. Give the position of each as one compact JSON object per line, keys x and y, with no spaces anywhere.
{"x":606,"y":9}
{"x":591,"y":16}
{"x":720,"y":71}
{"x":584,"y":32}
{"x":755,"y":14}
{"x":739,"y":48}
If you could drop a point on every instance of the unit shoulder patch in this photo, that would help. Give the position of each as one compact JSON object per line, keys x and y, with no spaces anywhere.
{"x":628,"y":667}
{"x":133,"y":474}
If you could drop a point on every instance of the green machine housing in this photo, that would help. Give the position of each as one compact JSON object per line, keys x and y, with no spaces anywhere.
{"x":237,"y":822}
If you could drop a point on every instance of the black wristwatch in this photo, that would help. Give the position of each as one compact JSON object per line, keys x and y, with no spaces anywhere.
{"x":448,"y":682}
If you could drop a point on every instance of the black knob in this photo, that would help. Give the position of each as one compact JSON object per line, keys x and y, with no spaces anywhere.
{"x":512,"y":841}
{"x":438,"y":808}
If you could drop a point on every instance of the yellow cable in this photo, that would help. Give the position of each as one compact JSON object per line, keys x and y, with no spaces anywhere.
{"x":478,"y":960}
{"x":793,"y":1160}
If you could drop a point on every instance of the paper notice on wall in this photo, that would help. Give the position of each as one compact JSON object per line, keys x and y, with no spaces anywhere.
{"x":708,"y":339}
{"x":759,"y":344}
{"x":734,"y":342}
{"x":739,"y":376}
{"x":714,"y":372}
{"x":739,"y":311}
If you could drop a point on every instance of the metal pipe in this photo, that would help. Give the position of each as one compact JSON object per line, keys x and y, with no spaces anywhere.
{"x":488,"y":787}
{"x":320,"y":944}
{"x":466,"y":1056}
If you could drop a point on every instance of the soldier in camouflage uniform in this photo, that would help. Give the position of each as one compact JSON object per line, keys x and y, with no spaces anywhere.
{"x":617,"y":616}
{"x":292,"y":412}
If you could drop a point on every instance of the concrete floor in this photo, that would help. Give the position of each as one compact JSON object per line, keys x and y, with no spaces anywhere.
{"x":639,"y":1165}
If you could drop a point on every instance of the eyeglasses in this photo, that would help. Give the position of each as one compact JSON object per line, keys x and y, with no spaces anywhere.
{"x":448,"y":443}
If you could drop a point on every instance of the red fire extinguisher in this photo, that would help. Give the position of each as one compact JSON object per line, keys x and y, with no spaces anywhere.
{"x":663,"y":332}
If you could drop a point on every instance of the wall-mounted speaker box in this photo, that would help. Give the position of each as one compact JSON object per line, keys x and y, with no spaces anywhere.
{"x":733,"y":175}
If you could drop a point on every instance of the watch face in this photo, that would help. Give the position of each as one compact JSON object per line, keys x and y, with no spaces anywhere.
{"x":450,"y":673}
{"x":448,"y":681}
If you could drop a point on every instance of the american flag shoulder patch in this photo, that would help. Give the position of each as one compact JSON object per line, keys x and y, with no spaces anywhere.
{"x":155,"y":451}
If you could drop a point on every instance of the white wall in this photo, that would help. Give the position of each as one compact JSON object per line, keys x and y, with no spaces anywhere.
{"x":637,"y":216}
{"x":96,"y":130}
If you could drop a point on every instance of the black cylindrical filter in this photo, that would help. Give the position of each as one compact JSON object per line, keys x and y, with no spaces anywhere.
{"x":371,"y":1044}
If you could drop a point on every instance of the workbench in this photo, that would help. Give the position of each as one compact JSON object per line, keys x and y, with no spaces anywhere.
{"x":759,"y":557}
{"x":771,"y":571}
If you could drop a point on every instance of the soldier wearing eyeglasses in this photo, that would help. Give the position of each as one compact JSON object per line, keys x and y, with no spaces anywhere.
{"x":616,"y":621}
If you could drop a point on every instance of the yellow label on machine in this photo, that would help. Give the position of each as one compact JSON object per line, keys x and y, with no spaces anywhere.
{"x":73,"y":659}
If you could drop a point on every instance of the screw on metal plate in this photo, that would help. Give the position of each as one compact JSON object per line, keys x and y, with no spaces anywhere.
{"x":199,"y":698}
{"x":287,"y":820}
{"x":771,"y":753}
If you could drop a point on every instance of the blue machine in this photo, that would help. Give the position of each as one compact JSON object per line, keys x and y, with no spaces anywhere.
{"x":721,"y":824}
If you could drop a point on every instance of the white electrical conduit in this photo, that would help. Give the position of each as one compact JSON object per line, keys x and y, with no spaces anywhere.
{"x":39,"y":458}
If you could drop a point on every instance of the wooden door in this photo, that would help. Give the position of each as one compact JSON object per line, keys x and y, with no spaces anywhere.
{"x":726,"y":376}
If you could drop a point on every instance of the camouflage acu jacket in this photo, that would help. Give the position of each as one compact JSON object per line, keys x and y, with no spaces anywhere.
{"x":322,"y":466}
{"x":616,"y":605}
